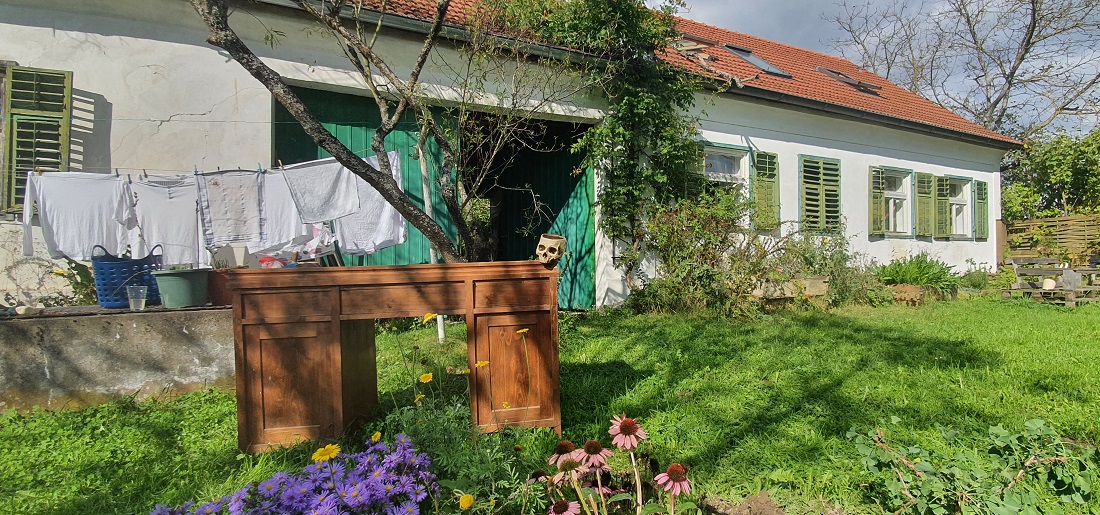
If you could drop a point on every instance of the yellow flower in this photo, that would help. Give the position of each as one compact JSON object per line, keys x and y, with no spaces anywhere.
{"x":376,"y":436}
{"x":522,"y":331}
{"x":58,"y":272}
{"x":419,"y":397}
{"x":505,"y":405}
{"x":426,"y":378}
{"x":326,"y":453}
{"x":465,"y":371}
{"x":466,"y":501}
{"x":428,"y":317}
{"x":480,"y":364}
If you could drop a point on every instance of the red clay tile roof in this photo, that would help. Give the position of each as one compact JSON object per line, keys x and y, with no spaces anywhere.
{"x":809,"y":83}
{"x":806,"y":81}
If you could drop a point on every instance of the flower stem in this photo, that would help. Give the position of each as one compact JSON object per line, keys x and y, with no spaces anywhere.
{"x":599,"y":484}
{"x":580,"y":497}
{"x":672,"y":505}
{"x":637,"y":482}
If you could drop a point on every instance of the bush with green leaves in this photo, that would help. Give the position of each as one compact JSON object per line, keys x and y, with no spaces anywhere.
{"x":1031,"y":472}
{"x":920,"y":270}
{"x":710,"y":256}
{"x":851,"y":278}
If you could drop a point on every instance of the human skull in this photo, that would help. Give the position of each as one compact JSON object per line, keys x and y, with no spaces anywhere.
{"x":550,"y":249}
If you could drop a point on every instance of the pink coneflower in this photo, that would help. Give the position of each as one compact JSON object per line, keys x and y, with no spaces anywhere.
{"x":595,"y":455}
{"x":674,"y":480}
{"x":564,"y":507}
{"x":569,"y":469}
{"x":626,"y":432}
{"x":562,"y":450}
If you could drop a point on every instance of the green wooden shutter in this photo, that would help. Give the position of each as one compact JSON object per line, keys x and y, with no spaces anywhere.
{"x":820,"y":194}
{"x":38,"y":116}
{"x":812,"y":195}
{"x":830,"y":186}
{"x":877,"y":198}
{"x":943,"y":207}
{"x":765,"y":190}
{"x":981,"y":210}
{"x":926,"y":207}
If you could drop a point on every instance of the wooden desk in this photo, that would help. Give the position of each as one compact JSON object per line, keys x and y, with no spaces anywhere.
{"x":305,"y":354}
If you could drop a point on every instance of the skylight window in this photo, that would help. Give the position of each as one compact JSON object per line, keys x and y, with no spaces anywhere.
{"x":865,"y":87}
{"x":757,"y":61}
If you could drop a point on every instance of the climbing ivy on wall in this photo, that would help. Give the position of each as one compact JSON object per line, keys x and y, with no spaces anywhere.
{"x":645,"y":146}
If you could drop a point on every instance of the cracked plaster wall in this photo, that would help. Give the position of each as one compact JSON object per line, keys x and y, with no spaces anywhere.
{"x":66,"y":362}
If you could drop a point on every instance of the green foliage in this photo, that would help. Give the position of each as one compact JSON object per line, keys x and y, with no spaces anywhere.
{"x":977,"y":276}
{"x":1033,"y":471}
{"x":850,"y":280}
{"x":645,"y":146}
{"x":491,"y":467}
{"x":1055,"y":175}
{"x":709,"y":256}
{"x":921,"y":270}
{"x":81,"y":283}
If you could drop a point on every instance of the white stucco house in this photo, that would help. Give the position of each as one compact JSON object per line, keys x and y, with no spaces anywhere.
{"x":131,"y":86}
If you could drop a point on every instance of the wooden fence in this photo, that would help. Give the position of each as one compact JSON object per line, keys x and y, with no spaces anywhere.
{"x":1072,"y":238}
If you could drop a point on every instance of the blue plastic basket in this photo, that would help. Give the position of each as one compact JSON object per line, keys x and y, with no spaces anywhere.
{"x":113,"y":274}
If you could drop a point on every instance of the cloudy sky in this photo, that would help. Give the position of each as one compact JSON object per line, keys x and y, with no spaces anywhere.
{"x":794,"y":22}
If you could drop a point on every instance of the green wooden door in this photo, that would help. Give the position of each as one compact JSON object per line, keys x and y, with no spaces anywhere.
{"x":353,"y":119}
{"x":568,"y":196}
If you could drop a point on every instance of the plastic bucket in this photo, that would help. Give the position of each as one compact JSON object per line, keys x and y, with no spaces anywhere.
{"x":182,"y":288}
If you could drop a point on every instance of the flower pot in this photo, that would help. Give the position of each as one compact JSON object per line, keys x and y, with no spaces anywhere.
{"x":182,"y":288}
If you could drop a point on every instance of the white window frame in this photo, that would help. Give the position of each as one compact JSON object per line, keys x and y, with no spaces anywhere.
{"x":739,"y":160}
{"x":899,"y":203}
{"x":962,"y":207}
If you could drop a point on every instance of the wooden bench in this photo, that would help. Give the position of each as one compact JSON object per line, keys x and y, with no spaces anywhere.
{"x":1051,"y":280}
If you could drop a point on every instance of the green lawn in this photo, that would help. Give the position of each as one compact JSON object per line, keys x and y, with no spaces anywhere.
{"x":748,"y":405}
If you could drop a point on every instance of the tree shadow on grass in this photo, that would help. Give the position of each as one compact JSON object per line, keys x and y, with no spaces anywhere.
{"x":732,"y":382}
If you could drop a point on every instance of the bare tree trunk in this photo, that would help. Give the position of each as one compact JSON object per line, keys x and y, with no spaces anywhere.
{"x":215,"y":14}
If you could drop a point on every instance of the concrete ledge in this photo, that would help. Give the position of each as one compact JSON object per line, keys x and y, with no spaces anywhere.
{"x":71,"y":361}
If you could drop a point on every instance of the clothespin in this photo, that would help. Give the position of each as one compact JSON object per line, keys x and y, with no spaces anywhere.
{"x":259,"y":167}
{"x":196,"y":169}
{"x":116,"y":173}
{"x":130,"y":178}
{"x":145,"y":172}
{"x":38,"y":170}
{"x":280,"y":161}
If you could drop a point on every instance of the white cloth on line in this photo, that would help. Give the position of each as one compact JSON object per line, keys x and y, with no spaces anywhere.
{"x":377,"y":224}
{"x":283,"y":223}
{"x":77,"y":211}
{"x":231,"y":206}
{"x":323,"y":190}
{"x":163,"y":210}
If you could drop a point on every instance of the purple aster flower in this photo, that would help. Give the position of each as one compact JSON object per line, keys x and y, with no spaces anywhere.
{"x":209,"y":508}
{"x":325,"y":507}
{"x":419,"y":493}
{"x":406,"y":508}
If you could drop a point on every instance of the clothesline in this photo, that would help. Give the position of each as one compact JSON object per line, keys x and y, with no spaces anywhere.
{"x":261,"y":208}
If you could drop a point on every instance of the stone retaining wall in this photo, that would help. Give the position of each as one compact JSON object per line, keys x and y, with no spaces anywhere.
{"x":72,"y":361}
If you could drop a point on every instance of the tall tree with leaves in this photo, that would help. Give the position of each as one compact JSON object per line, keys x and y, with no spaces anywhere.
{"x":1012,"y":66}
{"x":1054,"y":175}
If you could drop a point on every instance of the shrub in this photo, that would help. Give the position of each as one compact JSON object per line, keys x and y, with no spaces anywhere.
{"x":1001,"y":473}
{"x":920,"y":270}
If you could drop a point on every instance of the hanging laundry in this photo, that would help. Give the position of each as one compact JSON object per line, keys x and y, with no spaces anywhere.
{"x":283,"y":223}
{"x":231,"y":206}
{"x":163,"y":210}
{"x":76,"y":211}
{"x":323,"y":190}
{"x":377,"y":224}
